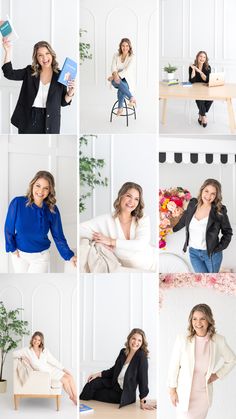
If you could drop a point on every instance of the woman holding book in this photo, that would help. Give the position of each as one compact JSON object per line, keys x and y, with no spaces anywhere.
{"x":28,"y":222}
{"x":122,"y":77}
{"x":126,"y":231}
{"x":199,"y":72}
{"x":119,"y":383}
{"x":38,"y":109}
{"x":40,"y":359}
{"x":208,"y":230}
{"x":195,"y":365}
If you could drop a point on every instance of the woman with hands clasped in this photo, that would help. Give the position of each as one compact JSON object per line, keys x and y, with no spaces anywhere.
{"x":40,"y":359}
{"x":122,"y":77}
{"x":119,"y":383}
{"x":199,"y":72}
{"x":28,"y":222}
{"x":194,"y":365}
{"x":38,"y":109}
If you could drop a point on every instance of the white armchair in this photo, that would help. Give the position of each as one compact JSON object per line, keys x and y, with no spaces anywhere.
{"x":38,"y":385}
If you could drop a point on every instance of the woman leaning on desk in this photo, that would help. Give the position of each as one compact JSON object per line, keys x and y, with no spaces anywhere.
{"x":199,"y":72}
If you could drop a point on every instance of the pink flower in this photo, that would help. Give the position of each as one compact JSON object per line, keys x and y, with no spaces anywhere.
{"x":162,"y":244}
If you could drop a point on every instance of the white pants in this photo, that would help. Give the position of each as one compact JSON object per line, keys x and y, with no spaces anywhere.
{"x":34,"y":263}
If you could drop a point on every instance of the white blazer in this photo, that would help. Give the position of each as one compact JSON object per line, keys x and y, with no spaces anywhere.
{"x":182,"y":366}
{"x":125,"y":69}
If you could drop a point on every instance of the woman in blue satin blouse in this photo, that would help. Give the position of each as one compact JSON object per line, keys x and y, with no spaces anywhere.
{"x":28,"y":222}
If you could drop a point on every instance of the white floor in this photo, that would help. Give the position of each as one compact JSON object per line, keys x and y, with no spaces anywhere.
{"x":182,"y":119}
{"x":36,"y":408}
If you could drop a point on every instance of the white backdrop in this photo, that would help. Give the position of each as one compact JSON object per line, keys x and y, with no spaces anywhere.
{"x":174,"y":320}
{"x":110,"y":307}
{"x":192,"y":176}
{"x":128,"y":158}
{"x":52,"y":21}
{"x":20,"y":158}
{"x":187,"y":27}
{"x":106,"y":26}
{"x":56,"y":317}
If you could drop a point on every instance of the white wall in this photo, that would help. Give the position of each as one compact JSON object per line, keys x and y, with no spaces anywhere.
{"x":174,"y":320}
{"x":49,"y":20}
{"x":192,"y":176}
{"x":20,"y":158}
{"x":106,"y":26}
{"x":49,"y":303}
{"x":110,"y":307}
{"x":127,"y":158}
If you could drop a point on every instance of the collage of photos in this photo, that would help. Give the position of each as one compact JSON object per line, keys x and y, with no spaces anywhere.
{"x":117,"y":132}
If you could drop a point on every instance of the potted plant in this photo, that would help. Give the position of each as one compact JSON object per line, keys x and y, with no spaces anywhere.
{"x":12,"y":329}
{"x":170,"y":69}
{"x":84,"y":48}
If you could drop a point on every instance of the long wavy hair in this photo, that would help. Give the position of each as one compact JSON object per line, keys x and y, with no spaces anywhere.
{"x":40,"y":335}
{"x":36,"y":67}
{"x":218,"y":199}
{"x":127,"y":40}
{"x":144,"y":345}
{"x":138,"y":211}
{"x":206,"y":63}
{"x":206,"y":310}
{"x":50,"y":201}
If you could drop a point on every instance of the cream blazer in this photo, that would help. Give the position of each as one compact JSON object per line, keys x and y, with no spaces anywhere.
{"x":182,"y":366}
{"x":125,"y":69}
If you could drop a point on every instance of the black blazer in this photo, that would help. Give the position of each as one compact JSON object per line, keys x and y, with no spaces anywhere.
{"x":216,"y":223}
{"x":136,"y":375}
{"x":197,"y":78}
{"x":56,"y":98}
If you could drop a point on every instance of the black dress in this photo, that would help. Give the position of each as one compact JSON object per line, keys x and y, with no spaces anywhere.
{"x":106,"y":389}
{"x":30,"y":120}
{"x":203,"y":105}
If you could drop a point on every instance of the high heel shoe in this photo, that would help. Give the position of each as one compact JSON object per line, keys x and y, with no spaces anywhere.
{"x":199,"y":121}
{"x":204,"y":122}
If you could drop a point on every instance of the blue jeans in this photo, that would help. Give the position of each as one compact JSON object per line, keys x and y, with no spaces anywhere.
{"x":123,"y":91}
{"x":202,"y":263}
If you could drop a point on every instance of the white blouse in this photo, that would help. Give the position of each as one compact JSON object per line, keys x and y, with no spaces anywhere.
{"x":45,"y":362}
{"x":121,"y":376}
{"x":197,"y":233}
{"x":125,"y":69}
{"x":42,"y":95}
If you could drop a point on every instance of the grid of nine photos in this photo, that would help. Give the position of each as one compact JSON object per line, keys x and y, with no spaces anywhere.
{"x":146,"y":343}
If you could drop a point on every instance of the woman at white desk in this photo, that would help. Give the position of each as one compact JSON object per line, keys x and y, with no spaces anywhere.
{"x":199,"y":72}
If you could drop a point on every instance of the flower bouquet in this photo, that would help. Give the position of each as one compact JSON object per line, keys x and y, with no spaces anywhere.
{"x":172,"y":203}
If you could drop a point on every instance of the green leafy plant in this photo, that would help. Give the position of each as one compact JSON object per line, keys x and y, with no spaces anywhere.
{"x":170,"y":68}
{"x":12,"y":329}
{"x":89,"y":170}
{"x":84,"y":48}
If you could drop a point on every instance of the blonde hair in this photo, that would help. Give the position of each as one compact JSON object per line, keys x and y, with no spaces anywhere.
{"x":205,"y":309}
{"x":40,"y":335}
{"x":36,"y":67}
{"x":144,"y":345}
{"x":138,"y":211}
{"x":127,"y":40}
{"x":50,"y":201}
{"x":218,"y":199}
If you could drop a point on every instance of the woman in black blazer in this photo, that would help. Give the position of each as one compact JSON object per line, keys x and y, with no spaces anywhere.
{"x":119,"y":383}
{"x":208,"y":230}
{"x":199,"y":72}
{"x":38,"y":109}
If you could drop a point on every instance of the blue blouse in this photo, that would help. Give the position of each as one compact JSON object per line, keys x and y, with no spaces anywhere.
{"x":27,"y":227}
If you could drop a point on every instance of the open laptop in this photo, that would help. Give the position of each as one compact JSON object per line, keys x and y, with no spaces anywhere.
{"x":216,"y":79}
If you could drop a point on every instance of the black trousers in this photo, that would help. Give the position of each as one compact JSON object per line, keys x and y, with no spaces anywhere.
{"x":37,"y":123}
{"x":101,"y":389}
{"x":203,"y":106}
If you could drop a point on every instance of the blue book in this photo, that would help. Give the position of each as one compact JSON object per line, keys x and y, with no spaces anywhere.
{"x":68,"y":72}
{"x":186,"y":84}
{"x":83,"y":408}
{"x":5,"y":28}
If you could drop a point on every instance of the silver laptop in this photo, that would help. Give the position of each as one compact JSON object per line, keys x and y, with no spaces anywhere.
{"x":216,"y":79}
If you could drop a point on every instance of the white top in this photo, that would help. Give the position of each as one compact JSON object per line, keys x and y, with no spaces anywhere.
{"x":45,"y":362}
{"x":121,"y":376}
{"x":134,"y":253}
{"x":42,"y":95}
{"x":125,"y":69}
{"x":197,"y":233}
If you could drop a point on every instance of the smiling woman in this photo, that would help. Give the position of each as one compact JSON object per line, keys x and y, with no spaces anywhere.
{"x":41,"y":97}
{"x":28,"y":221}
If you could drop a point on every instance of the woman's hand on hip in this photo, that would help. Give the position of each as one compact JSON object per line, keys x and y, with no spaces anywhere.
{"x":93,"y":376}
{"x":74,"y":260}
{"x":212,"y":378}
{"x":174,"y":396}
